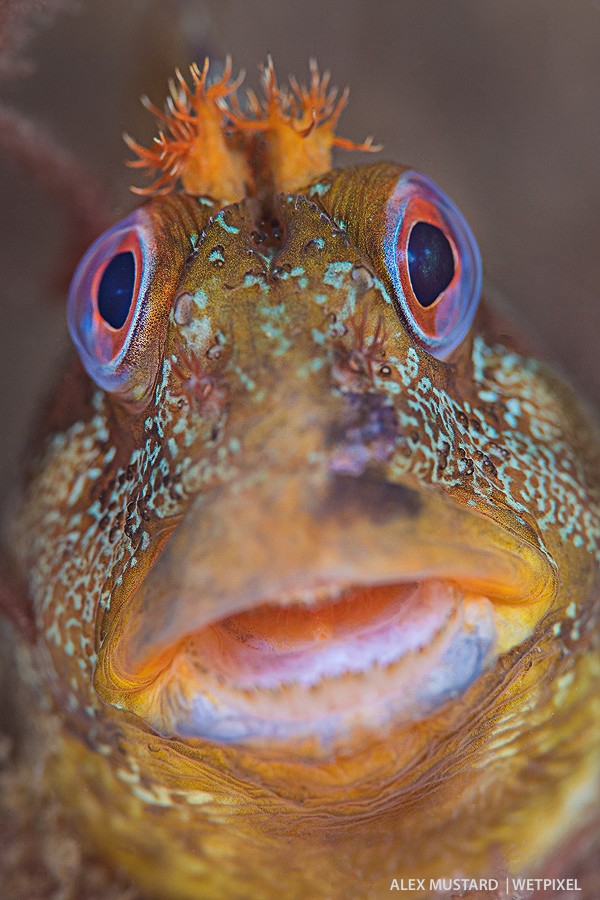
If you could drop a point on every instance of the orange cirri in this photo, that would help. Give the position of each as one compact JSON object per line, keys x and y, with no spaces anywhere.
{"x":210,"y":145}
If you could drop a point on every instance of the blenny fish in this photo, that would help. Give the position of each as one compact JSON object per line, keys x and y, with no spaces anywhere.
{"x":309,"y":540}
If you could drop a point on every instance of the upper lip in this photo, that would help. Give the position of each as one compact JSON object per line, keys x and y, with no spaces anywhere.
{"x":267,"y":540}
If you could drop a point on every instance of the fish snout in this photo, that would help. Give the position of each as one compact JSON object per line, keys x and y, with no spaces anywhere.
{"x":377,"y":597}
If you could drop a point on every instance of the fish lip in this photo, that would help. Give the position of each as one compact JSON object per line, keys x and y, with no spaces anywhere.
{"x":408,"y":687}
{"x":329,"y":584}
{"x":411,"y":671}
{"x":498,"y":560}
{"x":465,"y":657}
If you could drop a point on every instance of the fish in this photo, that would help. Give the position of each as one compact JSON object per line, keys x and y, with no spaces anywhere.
{"x":308,"y":542}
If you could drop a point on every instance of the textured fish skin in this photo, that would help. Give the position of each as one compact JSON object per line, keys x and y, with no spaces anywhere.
{"x":271,"y":407}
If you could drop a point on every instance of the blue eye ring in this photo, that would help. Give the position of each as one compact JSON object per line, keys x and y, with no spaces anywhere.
{"x":441,"y":324}
{"x":104,"y":349}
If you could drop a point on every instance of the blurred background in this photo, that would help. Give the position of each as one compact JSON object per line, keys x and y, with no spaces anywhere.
{"x":497,"y":100}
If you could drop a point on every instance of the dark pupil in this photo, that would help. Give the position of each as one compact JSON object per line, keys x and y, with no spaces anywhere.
{"x":115,"y":293}
{"x":430,"y":262}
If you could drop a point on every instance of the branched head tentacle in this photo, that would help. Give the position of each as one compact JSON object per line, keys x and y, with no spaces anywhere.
{"x":209,"y":142}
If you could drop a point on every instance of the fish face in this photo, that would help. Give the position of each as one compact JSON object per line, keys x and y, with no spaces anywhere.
{"x":322,"y":567}
{"x":315,"y":547}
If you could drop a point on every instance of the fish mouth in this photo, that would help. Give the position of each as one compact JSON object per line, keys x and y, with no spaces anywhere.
{"x":325,"y":662}
{"x":334,"y":659}
{"x":319,"y":649}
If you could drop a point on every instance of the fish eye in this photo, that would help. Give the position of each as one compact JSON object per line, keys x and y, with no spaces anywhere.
{"x":107,"y":299}
{"x":116,"y":289}
{"x":433,"y":262}
{"x":430,"y":262}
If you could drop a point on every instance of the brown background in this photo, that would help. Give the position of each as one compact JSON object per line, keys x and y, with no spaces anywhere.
{"x":497,"y":100}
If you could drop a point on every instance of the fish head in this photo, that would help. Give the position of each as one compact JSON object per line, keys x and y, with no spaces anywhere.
{"x":305,"y":462}
{"x":327,"y":480}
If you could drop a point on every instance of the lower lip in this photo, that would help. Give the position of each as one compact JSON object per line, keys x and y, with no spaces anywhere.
{"x":328,"y":661}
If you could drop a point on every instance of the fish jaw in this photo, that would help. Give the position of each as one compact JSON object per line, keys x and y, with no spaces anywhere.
{"x":268,"y":617}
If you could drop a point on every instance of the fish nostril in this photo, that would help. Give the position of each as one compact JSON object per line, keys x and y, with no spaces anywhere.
{"x":369,"y":496}
{"x":366,"y":417}
{"x":366,"y":432}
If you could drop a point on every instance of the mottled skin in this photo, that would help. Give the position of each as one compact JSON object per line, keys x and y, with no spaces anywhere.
{"x":287,"y":409}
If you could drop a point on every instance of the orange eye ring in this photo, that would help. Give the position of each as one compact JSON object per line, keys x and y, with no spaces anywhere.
{"x":109,"y":341}
{"x":102,"y":346}
{"x":442,"y":324}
